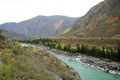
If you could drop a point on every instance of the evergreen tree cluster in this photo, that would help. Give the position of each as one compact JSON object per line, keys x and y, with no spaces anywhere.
{"x":113,"y":54}
{"x":108,"y":53}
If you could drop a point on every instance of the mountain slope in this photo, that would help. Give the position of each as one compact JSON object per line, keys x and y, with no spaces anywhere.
{"x":40,"y":26}
{"x":102,"y":20}
{"x":12,"y":35}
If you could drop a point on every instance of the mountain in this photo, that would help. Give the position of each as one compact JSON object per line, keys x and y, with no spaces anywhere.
{"x":102,"y":20}
{"x":40,"y":26}
{"x":12,"y":35}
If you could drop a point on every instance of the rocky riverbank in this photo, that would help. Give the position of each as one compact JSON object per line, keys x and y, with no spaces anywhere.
{"x":89,"y":61}
{"x":99,"y":63}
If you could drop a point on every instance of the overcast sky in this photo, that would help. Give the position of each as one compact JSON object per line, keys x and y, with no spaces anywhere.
{"x":19,"y":10}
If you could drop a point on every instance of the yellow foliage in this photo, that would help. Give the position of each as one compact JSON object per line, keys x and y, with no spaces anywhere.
{"x":56,"y":45}
{"x":74,"y":47}
{"x":66,"y":31}
{"x":17,"y":43}
{"x":62,"y":46}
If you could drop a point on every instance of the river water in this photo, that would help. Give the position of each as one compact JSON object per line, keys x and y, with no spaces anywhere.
{"x":86,"y":73}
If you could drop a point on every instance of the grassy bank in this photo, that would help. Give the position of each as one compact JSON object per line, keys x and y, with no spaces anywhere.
{"x":26,"y":63}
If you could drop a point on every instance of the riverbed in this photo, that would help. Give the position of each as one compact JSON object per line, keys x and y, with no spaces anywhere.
{"x":86,"y":72}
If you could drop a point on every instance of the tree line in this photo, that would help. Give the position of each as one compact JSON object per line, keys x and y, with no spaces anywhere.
{"x":108,"y":53}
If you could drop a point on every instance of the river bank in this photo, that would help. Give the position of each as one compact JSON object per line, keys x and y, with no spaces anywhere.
{"x":79,"y":63}
{"x":89,"y":61}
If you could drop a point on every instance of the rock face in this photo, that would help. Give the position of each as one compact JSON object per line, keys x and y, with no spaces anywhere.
{"x":40,"y":26}
{"x":102,"y":20}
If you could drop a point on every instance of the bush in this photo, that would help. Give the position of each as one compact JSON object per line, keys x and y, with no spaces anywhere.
{"x":7,"y":72}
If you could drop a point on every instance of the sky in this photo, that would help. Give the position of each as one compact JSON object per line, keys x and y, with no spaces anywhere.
{"x":19,"y":10}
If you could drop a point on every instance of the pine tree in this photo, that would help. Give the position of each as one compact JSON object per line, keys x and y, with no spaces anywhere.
{"x":107,"y":54}
{"x":59,"y":46}
{"x":118,"y":49}
{"x":78,"y":48}
{"x":103,"y":52}
{"x":93,"y":51}
{"x":118,"y":52}
{"x":65,"y":48}
{"x":82,"y":48}
{"x":68,"y":47}
{"x":86,"y":50}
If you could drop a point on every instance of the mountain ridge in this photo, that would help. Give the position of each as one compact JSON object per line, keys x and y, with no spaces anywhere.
{"x":40,"y":26}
